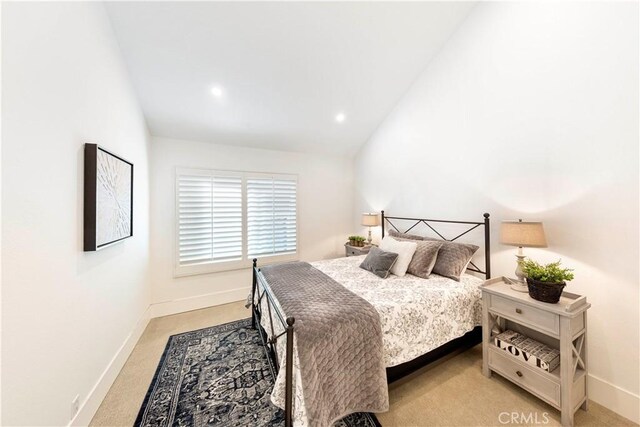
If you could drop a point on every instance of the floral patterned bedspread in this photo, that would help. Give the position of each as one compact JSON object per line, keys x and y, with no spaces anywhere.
{"x":417,"y":315}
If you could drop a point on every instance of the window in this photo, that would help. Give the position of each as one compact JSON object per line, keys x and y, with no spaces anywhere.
{"x":271,"y":216}
{"x":224,"y":219}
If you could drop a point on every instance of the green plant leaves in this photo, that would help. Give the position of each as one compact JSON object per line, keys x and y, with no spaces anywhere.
{"x":551,"y":273}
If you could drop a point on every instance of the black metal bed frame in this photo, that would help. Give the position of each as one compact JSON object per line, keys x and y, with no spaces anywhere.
{"x":472,"y":226}
{"x":270,"y":340}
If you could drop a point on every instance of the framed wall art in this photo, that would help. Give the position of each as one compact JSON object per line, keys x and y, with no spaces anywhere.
{"x":108,"y":198}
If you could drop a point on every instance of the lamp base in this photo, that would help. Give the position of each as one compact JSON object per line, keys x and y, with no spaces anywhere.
{"x":519,"y":287}
{"x":519,"y":284}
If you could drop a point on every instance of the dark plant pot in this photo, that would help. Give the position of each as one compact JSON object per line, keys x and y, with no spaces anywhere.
{"x":353,"y":243}
{"x":545,"y":291}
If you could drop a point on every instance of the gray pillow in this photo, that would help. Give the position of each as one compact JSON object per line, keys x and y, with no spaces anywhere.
{"x":425,"y":257}
{"x":397,"y":235}
{"x":379,"y":262}
{"x":453,"y":258}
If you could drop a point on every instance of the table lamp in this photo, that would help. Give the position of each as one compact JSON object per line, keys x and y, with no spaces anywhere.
{"x":523,"y":234}
{"x":370,"y":220}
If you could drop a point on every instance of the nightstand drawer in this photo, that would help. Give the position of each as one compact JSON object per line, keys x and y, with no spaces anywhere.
{"x":539,"y":319}
{"x":526,"y":377}
{"x":353,"y":252}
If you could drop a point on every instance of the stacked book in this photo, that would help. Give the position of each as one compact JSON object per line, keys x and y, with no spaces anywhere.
{"x":528,"y":350}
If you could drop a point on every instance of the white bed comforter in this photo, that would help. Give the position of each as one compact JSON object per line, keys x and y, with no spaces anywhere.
{"x":417,"y":315}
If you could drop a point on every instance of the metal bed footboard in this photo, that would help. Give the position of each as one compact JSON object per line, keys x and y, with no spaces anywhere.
{"x":270,"y":342}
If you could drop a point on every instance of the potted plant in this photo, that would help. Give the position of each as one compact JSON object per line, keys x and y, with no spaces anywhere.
{"x":546,"y":282}
{"x":357,"y":241}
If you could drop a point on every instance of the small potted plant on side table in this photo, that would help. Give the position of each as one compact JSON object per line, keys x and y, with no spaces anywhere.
{"x":360,"y":241}
{"x":545,"y":282}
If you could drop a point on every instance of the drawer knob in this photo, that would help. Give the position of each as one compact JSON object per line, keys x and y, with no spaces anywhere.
{"x":518,"y":311}
{"x":518,"y":373}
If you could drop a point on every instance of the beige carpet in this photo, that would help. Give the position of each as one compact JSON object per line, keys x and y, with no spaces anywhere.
{"x":451,"y":392}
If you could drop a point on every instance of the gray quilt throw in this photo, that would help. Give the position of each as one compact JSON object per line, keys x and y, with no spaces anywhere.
{"x":339,"y":343}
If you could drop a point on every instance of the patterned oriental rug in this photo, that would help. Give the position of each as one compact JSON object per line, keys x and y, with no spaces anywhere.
{"x":218,"y":376}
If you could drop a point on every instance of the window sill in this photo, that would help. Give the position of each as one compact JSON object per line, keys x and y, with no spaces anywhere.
{"x":220,"y":267}
{"x":275,"y":259}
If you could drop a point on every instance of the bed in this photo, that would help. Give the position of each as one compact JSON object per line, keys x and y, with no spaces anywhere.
{"x":420,"y":319}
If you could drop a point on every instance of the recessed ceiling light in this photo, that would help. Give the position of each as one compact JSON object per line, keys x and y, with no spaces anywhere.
{"x":216,"y":91}
{"x":340,"y":118}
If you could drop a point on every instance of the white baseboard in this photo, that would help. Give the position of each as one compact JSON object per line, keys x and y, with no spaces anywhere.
{"x":91,"y":404}
{"x":617,"y":399}
{"x":167,"y":308}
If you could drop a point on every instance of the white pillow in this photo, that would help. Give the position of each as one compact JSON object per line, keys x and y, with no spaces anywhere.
{"x":405,"y":251}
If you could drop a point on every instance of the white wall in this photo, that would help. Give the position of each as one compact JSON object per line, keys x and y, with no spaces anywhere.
{"x":0,"y":216}
{"x":325,"y":200}
{"x":531,"y":111}
{"x":65,"y":313}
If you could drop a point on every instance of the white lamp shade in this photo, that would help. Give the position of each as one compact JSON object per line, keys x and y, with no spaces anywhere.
{"x":526,"y":234}
{"x":370,"y":219}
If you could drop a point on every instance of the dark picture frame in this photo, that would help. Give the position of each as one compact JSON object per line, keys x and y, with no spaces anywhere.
{"x":108,"y":198}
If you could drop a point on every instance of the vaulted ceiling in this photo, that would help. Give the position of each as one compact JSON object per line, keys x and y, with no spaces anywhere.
{"x":277,"y":75}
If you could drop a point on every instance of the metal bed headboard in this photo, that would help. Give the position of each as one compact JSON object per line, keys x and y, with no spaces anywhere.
{"x":471,"y":224}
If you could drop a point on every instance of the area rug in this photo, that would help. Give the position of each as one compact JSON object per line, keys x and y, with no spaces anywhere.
{"x":218,"y":376}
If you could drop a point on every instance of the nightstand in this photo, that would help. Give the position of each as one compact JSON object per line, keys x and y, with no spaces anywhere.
{"x":562,"y":326}
{"x":356,"y":250}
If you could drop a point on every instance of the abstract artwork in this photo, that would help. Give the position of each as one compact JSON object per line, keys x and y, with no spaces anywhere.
{"x":108,"y":198}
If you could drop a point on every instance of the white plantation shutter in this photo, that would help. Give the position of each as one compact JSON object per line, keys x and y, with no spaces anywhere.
{"x":271,"y":215}
{"x":225,"y":218}
{"x":209,"y":218}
